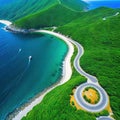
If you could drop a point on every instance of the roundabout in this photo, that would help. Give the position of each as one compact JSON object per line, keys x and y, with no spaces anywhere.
{"x":102,"y":103}
{"x":92,"y":81}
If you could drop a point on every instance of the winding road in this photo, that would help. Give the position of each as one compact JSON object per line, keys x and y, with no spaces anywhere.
{"x":91,"y":82}
{"x":77,"y":66}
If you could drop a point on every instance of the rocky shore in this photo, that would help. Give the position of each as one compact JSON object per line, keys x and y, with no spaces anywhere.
{"x":14,"y":29}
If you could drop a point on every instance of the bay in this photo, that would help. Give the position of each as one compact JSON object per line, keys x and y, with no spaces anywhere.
{"x":29,"y":63}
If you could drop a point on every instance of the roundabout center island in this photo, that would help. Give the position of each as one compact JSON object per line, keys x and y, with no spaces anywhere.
{"x":91,"y":95}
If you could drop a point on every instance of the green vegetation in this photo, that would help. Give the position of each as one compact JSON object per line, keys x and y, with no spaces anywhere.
{"x":86,"y":99}
{"x":56,"y":105}
{"x":15,"y":10}
{"x":73,"y":103}
{"x":103,"y":113}
{"x":54,"y":16}
{"x":46,"y":19}
{"x":21,"y":8}
{"x":100,"y":39}
{"x":75,"y":5}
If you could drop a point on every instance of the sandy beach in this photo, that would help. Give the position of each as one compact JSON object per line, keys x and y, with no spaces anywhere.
{"x":5,"y":22}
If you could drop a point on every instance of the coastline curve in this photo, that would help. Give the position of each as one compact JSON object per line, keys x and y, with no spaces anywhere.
{"x":67,"y":70}
{"x":67,"y":75}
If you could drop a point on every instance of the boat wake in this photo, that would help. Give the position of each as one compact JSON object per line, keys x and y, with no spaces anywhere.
{"x":12,"y":59}
{"x":25,"y":70}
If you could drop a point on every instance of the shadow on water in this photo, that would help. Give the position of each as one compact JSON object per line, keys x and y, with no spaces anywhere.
{"x":28,"y":36}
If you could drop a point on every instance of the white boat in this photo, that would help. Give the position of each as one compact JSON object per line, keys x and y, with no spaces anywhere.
{"x":30,"y":57}
{"x":20,"y":50}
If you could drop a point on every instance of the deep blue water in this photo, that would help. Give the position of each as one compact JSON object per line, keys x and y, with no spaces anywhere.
{"x":110,"y":4}
{"x":5,"y":2}
{"x":21,"y":78}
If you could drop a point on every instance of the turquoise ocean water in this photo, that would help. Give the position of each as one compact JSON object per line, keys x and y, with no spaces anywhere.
{"x":100,"y":3}
{"x":21,"y":78}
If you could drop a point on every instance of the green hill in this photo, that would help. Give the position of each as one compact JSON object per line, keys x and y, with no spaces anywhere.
{"x":20,"y":8}
{"x":53,"y":16}
{"x":75,"y":5}
{"x":100,"y":39}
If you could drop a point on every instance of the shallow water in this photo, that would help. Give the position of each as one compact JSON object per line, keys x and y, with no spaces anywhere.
{"x":22,"y":77}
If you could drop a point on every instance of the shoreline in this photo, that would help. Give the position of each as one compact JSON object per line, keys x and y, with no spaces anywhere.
{"x":5,"y":22}
{"x":65,"y":77}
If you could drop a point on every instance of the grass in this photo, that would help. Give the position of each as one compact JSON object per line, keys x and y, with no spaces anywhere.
{"x":75,"y":5}
{"x":15,"y":10}
{"x":46,"y":19}
{"x":100,"y":40}
{"x":21,"y":8}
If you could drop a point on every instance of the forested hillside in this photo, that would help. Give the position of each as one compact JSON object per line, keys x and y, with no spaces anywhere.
{"x":52,"y":16}
{"x":21,"y":8}
{"x":13,"y":10}
{"x":98,"y":32}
